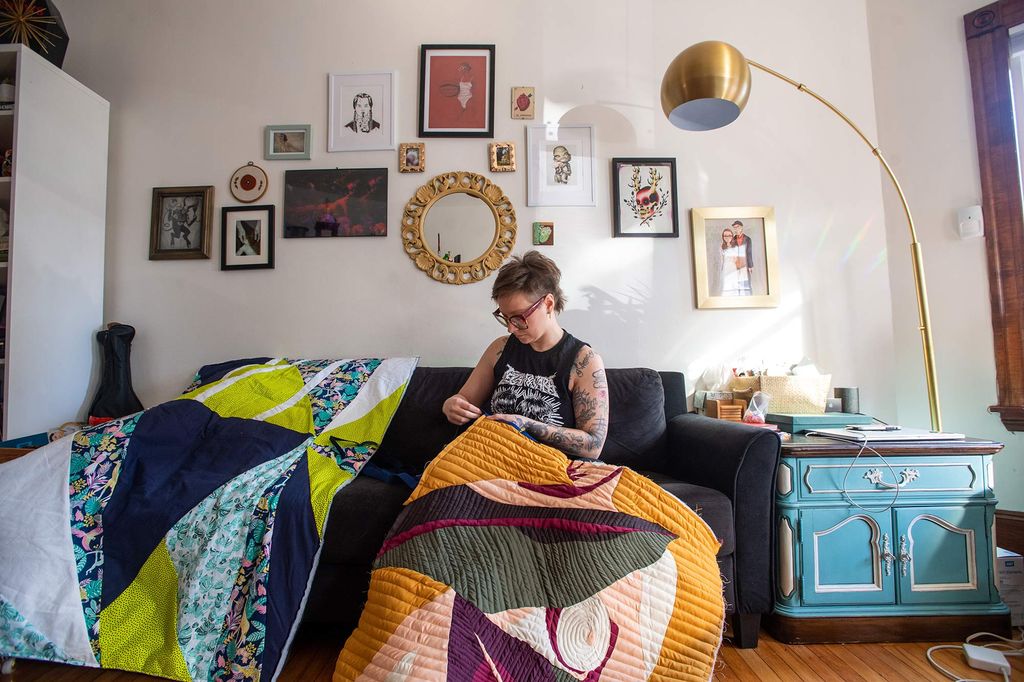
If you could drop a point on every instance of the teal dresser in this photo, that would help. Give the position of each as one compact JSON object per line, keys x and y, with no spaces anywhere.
{"x":857,"y":563}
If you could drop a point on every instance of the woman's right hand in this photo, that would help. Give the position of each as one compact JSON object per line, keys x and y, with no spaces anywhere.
{"x":458,"y":410}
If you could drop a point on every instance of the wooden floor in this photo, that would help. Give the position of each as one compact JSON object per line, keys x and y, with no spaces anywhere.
{"x":314,"y":654}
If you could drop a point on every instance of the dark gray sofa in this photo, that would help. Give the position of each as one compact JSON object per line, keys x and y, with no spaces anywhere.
{"x":723,"y":470}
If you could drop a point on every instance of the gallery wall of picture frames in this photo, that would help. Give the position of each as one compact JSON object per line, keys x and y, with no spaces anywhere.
{"x":456,"y":99}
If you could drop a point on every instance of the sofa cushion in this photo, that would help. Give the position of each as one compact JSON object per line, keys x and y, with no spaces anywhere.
{"x":361,"y":515}
{"x":636,"y":419}
{"x":419,"y":430}
{"x":711,"y":505}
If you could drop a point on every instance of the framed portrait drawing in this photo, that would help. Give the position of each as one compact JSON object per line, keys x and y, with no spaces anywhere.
{"x":283,"y":142}
{"x":336,"y":202}
{"x":412,"y":157}
{"x":735,"y":257}
{"x":503,"y":156}
{"x":456,"y":91}
{"x":180,"y":225}
{"x":246,"y":237}
{"x":644,"y":192}
{"x":560,"y":165}
{"x":362,"y":111}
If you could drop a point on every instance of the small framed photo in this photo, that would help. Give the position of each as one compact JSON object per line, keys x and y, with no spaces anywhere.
{"x":503,"y":156}
{"x":412,"y":157}
{"x":644,"y":193}
{"x":247,"y":237}
{"x":181,"y":218}
{"x":336,"y":202}
{"x":522,"y":102}
{"x":456,"y":91}
{"x":560,"y":165}
{"x":283,"y":142}
{"x":735,"y":259}
{"x":362,"y":111}
{"x":543,"y":234}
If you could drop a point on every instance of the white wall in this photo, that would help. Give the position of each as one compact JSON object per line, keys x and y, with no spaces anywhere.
{"x":926,"y":130}
{"x":192,"y":84}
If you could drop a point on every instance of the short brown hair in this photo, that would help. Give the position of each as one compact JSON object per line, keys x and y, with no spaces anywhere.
{"x":532,"y":274}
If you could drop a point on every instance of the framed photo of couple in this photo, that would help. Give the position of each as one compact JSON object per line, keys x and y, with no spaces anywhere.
{"x":735,"y":257}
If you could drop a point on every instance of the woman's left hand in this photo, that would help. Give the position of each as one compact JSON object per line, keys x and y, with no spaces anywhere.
{"x":518,"y":421}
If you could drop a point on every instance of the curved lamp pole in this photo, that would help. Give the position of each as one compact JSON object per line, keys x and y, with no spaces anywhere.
{"x":706,"y":87}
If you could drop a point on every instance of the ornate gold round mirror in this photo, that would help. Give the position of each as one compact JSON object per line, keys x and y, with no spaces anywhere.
{"x":471,"y":229}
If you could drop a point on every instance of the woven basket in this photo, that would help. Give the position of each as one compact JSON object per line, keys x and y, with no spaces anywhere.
{"x":797,"y":394}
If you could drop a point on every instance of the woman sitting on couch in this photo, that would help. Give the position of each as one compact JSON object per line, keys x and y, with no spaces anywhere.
{"x":539,"y":378}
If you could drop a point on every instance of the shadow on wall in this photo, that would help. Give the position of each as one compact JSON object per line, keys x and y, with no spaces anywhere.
{"x":612,"y":323}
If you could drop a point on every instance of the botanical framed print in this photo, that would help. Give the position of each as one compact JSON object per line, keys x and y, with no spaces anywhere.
{"x":336,"y":202}
{"x":644,"y":192}
{"x":284,"y":142}
{"x":522,"y":102}
{"x":180,"y":224}
{"x":246,"y":237}
{"x":362,"y":111}
{"x":543,"y":233}
{"x":456,"y":91}
{"x":412,"y":157}
{"x":503,"y":156}
{"x":560,"y":165}
{"x":735,"y":257}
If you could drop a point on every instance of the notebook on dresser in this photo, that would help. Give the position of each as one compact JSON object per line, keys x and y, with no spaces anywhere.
{"x":885,"y":436}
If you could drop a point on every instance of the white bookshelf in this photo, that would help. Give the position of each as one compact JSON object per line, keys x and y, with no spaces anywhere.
{"x":56,"y":201}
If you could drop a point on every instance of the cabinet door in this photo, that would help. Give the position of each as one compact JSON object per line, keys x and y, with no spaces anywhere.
{"x":943,"y":555}
{"x":844,"y":557}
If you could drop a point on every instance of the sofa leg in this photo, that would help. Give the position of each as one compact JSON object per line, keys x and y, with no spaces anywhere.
{"x":745,"y":627}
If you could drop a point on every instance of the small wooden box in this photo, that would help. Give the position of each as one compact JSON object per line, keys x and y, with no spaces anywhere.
{"x":731,"y":410}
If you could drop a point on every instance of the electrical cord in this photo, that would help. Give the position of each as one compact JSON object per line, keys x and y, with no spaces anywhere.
{"x":1013,"y":647}
{"x":846,"y":495}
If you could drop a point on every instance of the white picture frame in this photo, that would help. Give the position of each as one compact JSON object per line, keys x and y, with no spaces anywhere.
{"x":361,"y":111}
{"x":560,"y":165}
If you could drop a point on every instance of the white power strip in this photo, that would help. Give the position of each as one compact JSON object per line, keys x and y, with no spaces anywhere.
{"x":983,"y":658}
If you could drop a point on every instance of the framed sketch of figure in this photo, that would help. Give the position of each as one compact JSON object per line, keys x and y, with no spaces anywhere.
{"x":456,"y":91}
{"x":362,"y":111}
{"x":560,"y":165}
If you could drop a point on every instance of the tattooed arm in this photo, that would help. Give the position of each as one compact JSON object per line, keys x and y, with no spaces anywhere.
{"x":465,"y":405}
{"x":590,"y":403}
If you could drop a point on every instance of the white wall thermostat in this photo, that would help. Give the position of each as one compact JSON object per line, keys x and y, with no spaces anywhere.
{"x":970,"y":222}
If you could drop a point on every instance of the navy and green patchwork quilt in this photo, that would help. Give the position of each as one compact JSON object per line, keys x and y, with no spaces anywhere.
{"x":181,"y":541}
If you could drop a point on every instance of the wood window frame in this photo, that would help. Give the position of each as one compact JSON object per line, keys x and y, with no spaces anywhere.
{"x":988,"y":51}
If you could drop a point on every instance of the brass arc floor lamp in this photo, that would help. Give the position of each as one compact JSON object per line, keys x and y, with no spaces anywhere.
{"x":706,"y":87}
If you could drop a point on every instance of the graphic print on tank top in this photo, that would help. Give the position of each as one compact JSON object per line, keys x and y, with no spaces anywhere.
{"x":530,"y":395}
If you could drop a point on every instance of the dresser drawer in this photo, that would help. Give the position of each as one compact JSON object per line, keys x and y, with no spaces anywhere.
{"x":869,"y":477}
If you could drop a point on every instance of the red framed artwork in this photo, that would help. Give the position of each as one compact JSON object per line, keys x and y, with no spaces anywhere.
{"x":456,"y":91}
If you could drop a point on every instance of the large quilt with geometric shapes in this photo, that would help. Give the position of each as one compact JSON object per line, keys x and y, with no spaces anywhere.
{"x":512,"y":563}
{"x":181,"y":541}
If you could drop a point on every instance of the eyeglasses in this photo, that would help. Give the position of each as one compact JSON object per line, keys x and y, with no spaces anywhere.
{"x":517,"y":321}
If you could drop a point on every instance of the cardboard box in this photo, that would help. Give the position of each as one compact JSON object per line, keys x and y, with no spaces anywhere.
{"x":1014,"y":600}
{"x":1009,"y":569}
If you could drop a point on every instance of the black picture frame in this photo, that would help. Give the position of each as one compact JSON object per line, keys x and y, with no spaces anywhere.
{"x":250,"y":245}
{"x":636,"y":191}
{"x":440,"y":65}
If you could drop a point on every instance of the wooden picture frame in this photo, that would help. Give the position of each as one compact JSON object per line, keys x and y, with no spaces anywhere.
{"x":560,"y":165}
{"x":287,"y":142}
{"x":361,"y":114}
{"x":247,"y":237}
{"x":412,"y":157}
{"x":502,"y":156}
{"x":180,"y":222}
{"x":644,"y":197}
{"x":456,"y":91}
{"x":735,"y":275}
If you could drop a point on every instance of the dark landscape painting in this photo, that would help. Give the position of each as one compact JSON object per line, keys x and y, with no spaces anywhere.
{"x":339,"y":202}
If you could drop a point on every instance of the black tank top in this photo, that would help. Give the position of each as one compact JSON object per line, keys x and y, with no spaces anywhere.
{"x":536,"y":385}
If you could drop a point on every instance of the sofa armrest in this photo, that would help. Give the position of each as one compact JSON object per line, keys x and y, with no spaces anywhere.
{"x":739,"y":461}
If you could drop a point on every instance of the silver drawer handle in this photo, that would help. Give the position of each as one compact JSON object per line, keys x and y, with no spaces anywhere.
{"x":905,"y":557}
{"x":887,"y":556}
{"x":906,"y":476}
